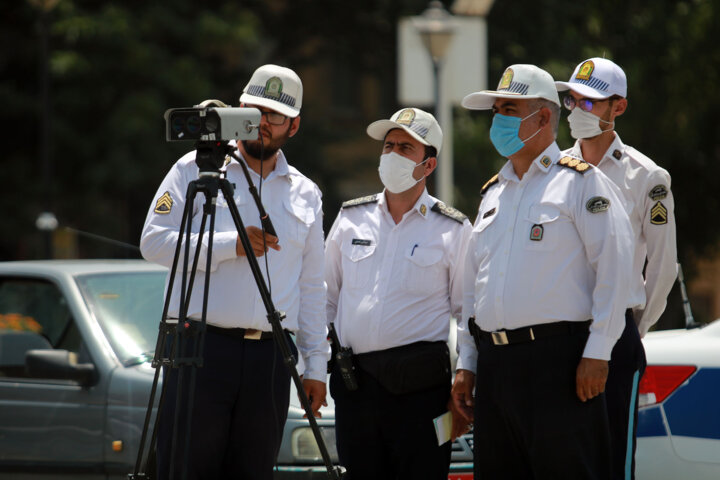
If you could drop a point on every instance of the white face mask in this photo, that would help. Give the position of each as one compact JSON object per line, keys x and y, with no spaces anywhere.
{"x":586,"y":125}
{"x":396,"y":172}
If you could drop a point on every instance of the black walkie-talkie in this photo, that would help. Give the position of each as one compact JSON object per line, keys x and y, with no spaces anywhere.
{"x":343,"y":357}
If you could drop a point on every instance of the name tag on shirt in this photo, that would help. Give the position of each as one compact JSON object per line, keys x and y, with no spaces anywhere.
{"x":361,"y":241}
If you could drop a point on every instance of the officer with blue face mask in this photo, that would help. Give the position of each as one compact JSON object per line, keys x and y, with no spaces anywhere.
{"x":546,"y":279}
{"x":394,"y":275}
{"x":597,"y":96}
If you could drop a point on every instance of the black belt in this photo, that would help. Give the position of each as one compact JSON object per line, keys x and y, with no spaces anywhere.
{"x":527,"y":334}
{"x":246,"y":333}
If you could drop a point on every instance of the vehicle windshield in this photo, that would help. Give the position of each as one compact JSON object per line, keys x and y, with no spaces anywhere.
{"x":128,"y":306}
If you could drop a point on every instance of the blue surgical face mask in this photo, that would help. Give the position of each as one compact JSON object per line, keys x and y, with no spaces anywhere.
{"x":504,"y":134}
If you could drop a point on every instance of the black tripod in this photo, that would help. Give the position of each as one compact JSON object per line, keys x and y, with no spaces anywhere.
{"x":210,"y":156}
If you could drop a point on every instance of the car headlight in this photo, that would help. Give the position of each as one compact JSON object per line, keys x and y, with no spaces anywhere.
{"x":305,"y":448}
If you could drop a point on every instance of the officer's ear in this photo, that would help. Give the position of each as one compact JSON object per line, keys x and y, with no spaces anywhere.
{"x":545,"y":115}
{"x":294,"y":126}
{"x":619,"y":106}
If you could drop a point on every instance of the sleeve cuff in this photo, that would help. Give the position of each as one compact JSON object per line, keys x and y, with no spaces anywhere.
{"x":467,"y":361}
{"x":316,"y":368}
{"x":599,"y":346}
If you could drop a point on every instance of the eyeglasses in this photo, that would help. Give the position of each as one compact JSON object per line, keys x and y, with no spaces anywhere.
{"x":274,"y":118}
{"x":584,"y":103}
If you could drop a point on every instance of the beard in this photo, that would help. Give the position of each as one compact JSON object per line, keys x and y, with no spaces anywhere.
{"x":256,"y":149}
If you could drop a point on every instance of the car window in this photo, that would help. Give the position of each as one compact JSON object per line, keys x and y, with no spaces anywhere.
{"x":128,"y":307}
{"x":33,"y":315}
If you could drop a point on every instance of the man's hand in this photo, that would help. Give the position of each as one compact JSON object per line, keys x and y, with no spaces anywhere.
{"x":590,"y":378}
{"x":255,"y":235}
{"x":315,"y":391}
{"x":460,"y":425}
{"x":462,"y":399}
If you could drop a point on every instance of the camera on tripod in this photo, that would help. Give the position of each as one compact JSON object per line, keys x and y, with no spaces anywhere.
{"x":211,"y":120}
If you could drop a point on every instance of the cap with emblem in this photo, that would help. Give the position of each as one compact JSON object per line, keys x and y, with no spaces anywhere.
{"x":274,"y":87}
{"x":518,"y":81}
{"x":596,"y":78}
{"x":421,"y":125}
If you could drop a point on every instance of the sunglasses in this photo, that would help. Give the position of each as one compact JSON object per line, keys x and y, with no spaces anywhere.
{"x":584,"y":103}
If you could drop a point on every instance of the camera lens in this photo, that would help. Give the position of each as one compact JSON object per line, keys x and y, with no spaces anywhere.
{"x":177,"y":124}
{"x":193,"y":125}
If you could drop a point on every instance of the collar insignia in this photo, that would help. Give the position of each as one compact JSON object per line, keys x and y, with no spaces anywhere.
{"x":545,"y":161}
{"x":423,"y":209}
{"x":617,"y":154}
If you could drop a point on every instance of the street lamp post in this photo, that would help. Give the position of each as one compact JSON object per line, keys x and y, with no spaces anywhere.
{"x":436,"y":29}
{"x":46,"y":221}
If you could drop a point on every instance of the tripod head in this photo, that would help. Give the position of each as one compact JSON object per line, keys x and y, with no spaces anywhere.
{"x":211,"y":155}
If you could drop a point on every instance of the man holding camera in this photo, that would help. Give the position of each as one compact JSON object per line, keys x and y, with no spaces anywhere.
{"x":242,"y":390}
{"x":394,"y":278}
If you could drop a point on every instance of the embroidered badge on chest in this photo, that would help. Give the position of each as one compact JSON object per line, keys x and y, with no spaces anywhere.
{"x":536,"y":233}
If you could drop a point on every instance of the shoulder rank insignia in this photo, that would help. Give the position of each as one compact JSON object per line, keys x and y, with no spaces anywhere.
{"x":360,"y":201}
{"x":597,"y":204}
{"x":658,"y":214}
{"x":449,"y":212}
{"x":164,"y":204}
{"x":658,"y":192}
{"x":489,"y":184}
{"x":574,"y":164}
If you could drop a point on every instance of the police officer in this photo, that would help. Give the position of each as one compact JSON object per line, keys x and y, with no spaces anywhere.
{"x":547,"y":273}
{"x":242,"y":394}
{"x":597,"y":96}
{"x":394,"y":279}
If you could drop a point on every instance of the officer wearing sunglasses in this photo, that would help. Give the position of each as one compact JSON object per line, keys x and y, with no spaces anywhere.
{"x":599,"y":88}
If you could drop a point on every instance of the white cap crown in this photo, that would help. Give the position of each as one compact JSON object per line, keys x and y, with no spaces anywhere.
{"x":274,"y":87}
{"x":421,"y":125}
{"x":519,"y":81}
{"x":596,"y":78}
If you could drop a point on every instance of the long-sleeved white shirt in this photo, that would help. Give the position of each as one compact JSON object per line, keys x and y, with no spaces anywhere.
{"x":554,"y":246}
{"x":651,"y":208}
{"x":394,"y":284}
{"x":295,"y":278}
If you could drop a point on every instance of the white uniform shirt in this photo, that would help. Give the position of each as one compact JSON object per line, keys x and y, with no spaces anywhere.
{"x":394,"y":284}
{"x":650,"y":205}
{"x":294,"y":205}
{"x":576,"y":268}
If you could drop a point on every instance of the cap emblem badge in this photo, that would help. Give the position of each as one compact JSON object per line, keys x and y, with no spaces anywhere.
{"x":585,"y":70}
{"x":406,"y":117}
{"x":506,"y":79}
{"x":273,"y":87}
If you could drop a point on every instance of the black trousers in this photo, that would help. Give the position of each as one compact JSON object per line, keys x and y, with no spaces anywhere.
{"x":381,"y":436}
{"x":240,"y":406}
{"x":529,"y":422}
{"x":627,"y":365}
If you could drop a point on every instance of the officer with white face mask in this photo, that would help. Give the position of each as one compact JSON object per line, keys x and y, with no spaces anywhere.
{"x":394,"y":269}
{"x":597,"y":96}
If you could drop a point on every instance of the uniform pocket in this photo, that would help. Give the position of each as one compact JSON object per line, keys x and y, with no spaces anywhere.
{"x":423,"y":268}
{"x":545,"y":223}
{"x":357,"y":263}
{"x":298,"y":225}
